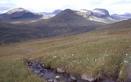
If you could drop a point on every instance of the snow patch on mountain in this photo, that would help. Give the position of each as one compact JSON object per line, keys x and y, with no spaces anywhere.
{"x":16,"y":10}
{"x":100,"y":12}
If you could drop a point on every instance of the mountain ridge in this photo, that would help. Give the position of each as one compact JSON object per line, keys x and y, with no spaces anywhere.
{"x":65,"y":23}
{"x":97,"y":14}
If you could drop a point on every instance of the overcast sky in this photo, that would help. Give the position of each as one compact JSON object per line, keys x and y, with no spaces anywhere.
{"x":114,"y":6}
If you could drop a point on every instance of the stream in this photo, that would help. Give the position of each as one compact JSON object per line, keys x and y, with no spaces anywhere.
{"x":51,"y":75}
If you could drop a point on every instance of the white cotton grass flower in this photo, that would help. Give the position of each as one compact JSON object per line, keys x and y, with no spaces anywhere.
{"x":126,"y":54}
{"x":72,"y":54}
{"x":54,"y":56}
{"x":107,"y":55}
{"x":125,"y":61}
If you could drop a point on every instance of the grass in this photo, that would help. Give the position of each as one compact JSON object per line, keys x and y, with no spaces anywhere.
{"x":15,"y":71}
{"x":94,"y":53}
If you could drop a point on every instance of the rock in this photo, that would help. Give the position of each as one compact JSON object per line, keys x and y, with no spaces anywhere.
{"x":60,"y":70}
{"x":36,"y":71}
{"x":87,"y":77}
{"x":108,"y":80}
{"x":72,"y":77}
{"x":56,"y":80}
{"x":57,"y":77}
{"x":41,"y":74}
{"x":50,"y":80}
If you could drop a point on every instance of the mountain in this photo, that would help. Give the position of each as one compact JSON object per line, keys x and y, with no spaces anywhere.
{"x":66,"y":22}
{"x":19,"y":14}
{"x":99,"y":15}
{"x":103,"y":15}
{"x":121,"y":16}
{"x":71,"y":18}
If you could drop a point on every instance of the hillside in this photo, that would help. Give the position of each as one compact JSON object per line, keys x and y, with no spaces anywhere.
{"x":119,"y":25}
{"x":102,"y":55}
{"x":65,"y":23}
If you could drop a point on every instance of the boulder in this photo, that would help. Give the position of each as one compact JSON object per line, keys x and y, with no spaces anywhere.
{"x":87,"y":77}
{"x":72,"y":77}
{"x":60,"y":70}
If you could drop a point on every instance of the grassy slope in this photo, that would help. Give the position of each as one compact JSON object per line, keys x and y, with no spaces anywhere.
{"x":101,"y":52}
{"x":15,"y":71}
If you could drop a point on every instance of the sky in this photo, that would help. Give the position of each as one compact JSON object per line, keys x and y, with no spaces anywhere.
{"x":114,"y":6}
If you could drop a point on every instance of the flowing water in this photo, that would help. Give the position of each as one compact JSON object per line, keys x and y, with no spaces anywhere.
{"x":51,"y":75}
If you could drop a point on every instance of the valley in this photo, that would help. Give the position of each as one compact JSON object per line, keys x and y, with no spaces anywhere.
{"x":68,"y":46}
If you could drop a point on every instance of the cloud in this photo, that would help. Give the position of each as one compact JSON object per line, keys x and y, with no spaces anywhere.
{"x":6,"y":5}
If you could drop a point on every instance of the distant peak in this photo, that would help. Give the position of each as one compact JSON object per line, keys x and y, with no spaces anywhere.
{"x":17,"y":10}
{"x":68,"y":10}
{"x":100,"y":12}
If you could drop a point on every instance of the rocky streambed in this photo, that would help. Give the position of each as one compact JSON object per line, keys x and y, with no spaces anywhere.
{"x":58,"y":75}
